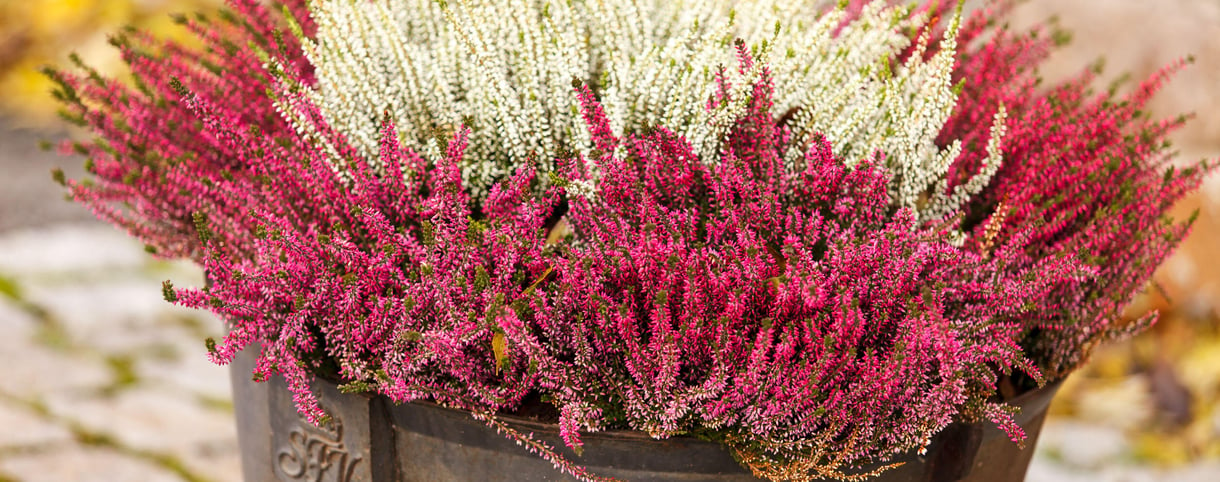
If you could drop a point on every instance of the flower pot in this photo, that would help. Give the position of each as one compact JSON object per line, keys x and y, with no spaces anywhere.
{"x":373,"y":439}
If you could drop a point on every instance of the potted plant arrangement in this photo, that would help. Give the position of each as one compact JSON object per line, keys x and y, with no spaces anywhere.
{"x":642,"y":239}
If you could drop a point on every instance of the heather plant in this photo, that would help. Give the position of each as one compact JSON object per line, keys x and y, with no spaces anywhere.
{"x":392,"y":287}
{"x":788,"y":231}
{"x":154,"y":164}
{"x":787,"y":312}
{"x":1086,"y":174}
{"x":503,"y":69}
{"x":845,"y":337}
{"x":196,"y":159}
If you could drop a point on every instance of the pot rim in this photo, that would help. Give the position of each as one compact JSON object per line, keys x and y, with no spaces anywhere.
{"x":1030,"y":403}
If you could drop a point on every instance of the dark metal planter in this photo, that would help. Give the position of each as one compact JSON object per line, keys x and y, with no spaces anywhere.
{"x":374,"y":439}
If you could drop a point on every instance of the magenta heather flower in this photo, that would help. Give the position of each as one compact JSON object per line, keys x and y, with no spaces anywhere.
{"x":788,"y":313}
{"x":786,"y":308}
{"x":393,"y":281}
{"x":1085,"y":175}
{"x":154,"y":164}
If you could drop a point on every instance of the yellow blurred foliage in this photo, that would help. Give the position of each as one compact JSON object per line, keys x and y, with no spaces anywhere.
{"x":1162,"y":389}
{"x":1200,"y":369}
{"x":35,"y":33}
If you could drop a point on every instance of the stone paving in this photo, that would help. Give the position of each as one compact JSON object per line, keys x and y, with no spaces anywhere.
{"x":106,"y":380}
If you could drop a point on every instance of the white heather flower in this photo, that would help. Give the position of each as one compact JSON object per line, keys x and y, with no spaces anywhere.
{"x":505,"y":69}
{"x":944,"y":204}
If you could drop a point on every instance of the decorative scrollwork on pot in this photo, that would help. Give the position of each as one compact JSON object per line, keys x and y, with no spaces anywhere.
{"x":316,"y":454}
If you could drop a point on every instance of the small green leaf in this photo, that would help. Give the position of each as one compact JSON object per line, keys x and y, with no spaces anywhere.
{"x":428,"y":231}
{"x":201,"y":226}
{"x":481,"y":278}
{"x":358,"y":386}
{"x":167,"y":291}
{"x":411,"y":336}
{"x":178,"y":88}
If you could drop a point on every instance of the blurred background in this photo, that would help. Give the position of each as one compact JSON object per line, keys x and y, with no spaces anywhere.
{"x":108,"y":382}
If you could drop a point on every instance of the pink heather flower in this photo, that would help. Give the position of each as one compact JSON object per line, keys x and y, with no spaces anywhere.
{"x":1085,"y":175}
{"x":786,"y":311}
{"x":154,"y":164}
